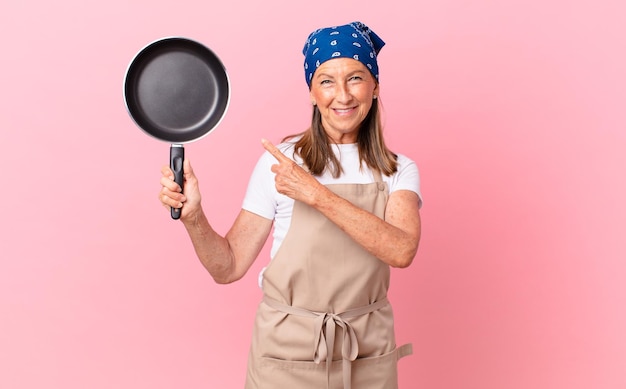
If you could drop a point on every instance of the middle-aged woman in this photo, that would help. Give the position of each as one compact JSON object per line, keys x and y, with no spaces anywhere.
{"x":343,"y":208}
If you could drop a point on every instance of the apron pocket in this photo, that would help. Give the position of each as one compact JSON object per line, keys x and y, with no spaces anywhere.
{"x":277,"y":373}
{"x":379,"y":372}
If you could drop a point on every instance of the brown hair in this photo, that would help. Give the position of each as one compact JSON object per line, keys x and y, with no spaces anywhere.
{"x":316,"y":152}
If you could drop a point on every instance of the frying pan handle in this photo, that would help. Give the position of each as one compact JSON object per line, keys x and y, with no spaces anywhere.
{"x":177,"y":156}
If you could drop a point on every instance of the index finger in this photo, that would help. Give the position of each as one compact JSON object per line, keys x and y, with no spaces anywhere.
{"x":274,"y":151}
{"x":166,"y":171}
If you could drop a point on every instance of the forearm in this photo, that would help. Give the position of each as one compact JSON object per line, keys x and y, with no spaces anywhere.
{"x":391,"y":244}
{"x":212,"y":249}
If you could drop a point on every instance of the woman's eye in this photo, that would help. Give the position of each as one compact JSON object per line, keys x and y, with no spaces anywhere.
{"x":355,"y":78}
{"x":325,"y":82}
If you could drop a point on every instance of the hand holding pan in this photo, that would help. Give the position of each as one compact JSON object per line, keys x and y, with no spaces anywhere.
{"x":176,"y":90}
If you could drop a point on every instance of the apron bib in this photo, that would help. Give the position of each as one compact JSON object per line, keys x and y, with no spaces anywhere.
{"x":325,"y":321}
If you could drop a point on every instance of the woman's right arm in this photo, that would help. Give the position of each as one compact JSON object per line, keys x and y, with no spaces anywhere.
{"x":227,"y":258}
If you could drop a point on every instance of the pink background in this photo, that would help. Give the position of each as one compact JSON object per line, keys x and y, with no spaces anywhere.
{"x":514,"y":111}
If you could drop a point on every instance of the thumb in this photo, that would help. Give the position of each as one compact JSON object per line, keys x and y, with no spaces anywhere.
{"x":187,"y":169}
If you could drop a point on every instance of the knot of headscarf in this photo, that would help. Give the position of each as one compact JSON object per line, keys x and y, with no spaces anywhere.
{"x":354,"y":40}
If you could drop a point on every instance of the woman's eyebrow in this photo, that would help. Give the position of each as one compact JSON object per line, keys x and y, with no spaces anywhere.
{"x":323,"y":74}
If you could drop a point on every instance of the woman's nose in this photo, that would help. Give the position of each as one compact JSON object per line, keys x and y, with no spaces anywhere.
{"x":343,"y":93}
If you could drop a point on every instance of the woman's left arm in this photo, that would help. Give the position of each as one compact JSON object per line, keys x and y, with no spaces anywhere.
{"x":393,"y":240}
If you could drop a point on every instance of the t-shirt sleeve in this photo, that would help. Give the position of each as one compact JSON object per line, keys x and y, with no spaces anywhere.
{"x":408,"y":177}
{"x":260,"y":196}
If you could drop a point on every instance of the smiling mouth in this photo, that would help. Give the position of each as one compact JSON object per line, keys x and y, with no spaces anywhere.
{"x":343,"y":110}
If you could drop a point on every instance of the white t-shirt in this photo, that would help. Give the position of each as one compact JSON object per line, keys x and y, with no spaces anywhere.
{"x":263,"y":199}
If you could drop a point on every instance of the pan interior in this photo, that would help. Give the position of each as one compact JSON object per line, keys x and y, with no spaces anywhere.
{"x":177,"y":90}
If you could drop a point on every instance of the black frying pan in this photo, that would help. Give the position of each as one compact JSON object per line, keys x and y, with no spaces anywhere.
{"x":176,"y":90}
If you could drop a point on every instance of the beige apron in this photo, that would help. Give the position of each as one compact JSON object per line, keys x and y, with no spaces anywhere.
{"x":325,"y":321}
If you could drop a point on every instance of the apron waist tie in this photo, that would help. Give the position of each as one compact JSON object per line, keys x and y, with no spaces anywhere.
{"x":325,"y":326}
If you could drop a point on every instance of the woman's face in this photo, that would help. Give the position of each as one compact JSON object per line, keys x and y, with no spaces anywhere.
{"x":343,"y":90}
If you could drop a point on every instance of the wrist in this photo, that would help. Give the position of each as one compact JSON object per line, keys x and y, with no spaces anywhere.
{"x":193,"y":218}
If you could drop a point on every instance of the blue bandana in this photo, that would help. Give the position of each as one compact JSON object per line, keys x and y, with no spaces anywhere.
{"x":354,"y":40}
